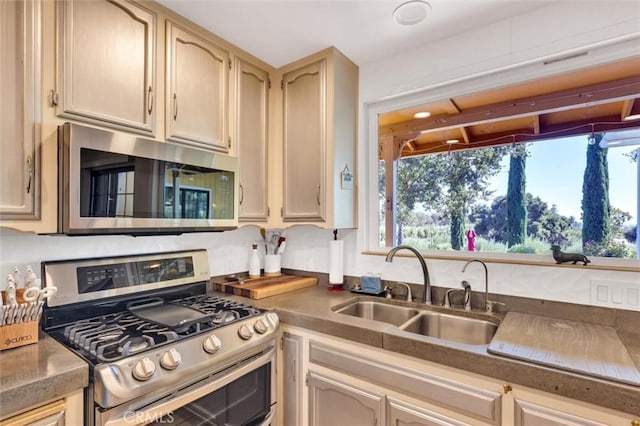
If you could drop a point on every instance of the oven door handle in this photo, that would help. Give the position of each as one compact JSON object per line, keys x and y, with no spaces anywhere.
{"x":156,"y":411}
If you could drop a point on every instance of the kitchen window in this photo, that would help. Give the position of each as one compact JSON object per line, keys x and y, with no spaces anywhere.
{"x":461,"y":200}
{"x":443,"y":176}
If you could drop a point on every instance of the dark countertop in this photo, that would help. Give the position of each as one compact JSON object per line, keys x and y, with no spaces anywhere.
{"x":311,"y":309}
{"x":34,"y":374}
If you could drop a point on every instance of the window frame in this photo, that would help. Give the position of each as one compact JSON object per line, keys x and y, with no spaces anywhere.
{"x":483,"y":81}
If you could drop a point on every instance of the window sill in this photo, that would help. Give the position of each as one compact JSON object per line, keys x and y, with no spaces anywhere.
{"x":597,"y":263}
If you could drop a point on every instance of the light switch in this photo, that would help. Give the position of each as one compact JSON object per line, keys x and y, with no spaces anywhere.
{"x":602,"y":293}
{"x":617,"y":295}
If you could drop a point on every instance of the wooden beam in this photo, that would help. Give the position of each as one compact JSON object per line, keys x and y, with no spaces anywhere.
{"x":627,"y":106}
{"x":595,"y":94}
{"x":536,"y":124}
{"x":465,"y":135}
{"x":604,"y":124}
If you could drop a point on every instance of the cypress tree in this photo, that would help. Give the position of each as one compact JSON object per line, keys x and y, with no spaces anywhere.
{"x":516,"y":199}
{"x":457,"y":230}
{"x":596,"y":210}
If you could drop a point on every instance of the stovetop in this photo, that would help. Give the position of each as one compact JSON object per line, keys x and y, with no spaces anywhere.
{"x":146,"y":325}
{"x":114,"y":336}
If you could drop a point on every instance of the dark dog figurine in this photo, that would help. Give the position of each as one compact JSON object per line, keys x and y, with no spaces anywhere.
{"x":561,"y":257}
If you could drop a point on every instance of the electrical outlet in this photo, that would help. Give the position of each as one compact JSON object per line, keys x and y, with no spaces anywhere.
{"x":616,"y":294}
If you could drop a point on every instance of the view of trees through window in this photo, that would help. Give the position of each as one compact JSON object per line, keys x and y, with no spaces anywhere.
{"x":572,"y":192}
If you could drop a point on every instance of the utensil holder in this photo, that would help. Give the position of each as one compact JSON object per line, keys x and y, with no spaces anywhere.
{"x":21,"y":334}
{"x":272,"y":266}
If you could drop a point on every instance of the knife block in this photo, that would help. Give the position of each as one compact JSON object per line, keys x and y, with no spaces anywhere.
{"x":16,"y":335}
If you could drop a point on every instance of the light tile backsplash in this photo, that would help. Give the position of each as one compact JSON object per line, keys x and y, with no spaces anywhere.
{"x":308,"y":249}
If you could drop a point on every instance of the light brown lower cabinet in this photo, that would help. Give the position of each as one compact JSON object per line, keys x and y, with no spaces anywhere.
{"x":64,"y":411}
{"x":51,"y":414}
{"x":335,"y":402}
{"x":332,"y":381}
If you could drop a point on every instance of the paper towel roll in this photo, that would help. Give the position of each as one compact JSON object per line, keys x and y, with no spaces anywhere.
{"x":336,"y":262}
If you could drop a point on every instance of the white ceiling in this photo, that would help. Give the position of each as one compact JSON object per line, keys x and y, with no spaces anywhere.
{"x":281,"y":31}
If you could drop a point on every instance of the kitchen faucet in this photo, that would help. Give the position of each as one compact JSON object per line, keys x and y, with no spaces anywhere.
{"x":488,"y":304}
{"x":426,"y":299}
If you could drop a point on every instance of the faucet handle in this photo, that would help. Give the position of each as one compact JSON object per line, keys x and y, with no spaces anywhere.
{"x":467,"y":295}
{"x":490,"y":304}
{"x":387,"y":292}
{"x":409,"y":295}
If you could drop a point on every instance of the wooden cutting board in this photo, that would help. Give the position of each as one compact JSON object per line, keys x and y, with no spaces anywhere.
{"x":259,"y":288}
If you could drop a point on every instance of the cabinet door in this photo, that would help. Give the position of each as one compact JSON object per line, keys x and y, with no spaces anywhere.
{"x":20,"y":108}
{"x":197,"y":90}
{"x":530,"y":414}
{"x":404,"y":414}
{"x":291,"y":379}
{"x":106,"y":67}
{"x":333,"y":402}
{"x":252,"y":100}
{"x":304,"y":129}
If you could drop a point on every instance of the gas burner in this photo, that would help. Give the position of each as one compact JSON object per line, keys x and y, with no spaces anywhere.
{"x":225,"y":317}
{"x":132,"y":345}
{"x":118,"y":335}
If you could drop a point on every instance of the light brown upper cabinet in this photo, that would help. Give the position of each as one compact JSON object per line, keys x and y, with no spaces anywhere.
{"x":319,"y":107}
{"x":197,"y":90}
{"x":106,"y":64}
{"x":251,"y":98}
{"x":20,"y":85}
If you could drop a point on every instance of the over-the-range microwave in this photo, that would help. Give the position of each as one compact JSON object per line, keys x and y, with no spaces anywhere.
{"x":115,"y":183}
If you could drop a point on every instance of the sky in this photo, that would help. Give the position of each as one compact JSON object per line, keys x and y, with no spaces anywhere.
{"x":555,"y":170}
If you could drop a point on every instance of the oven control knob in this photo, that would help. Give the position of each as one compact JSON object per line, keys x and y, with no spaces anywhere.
{"x":144,"y":369}
{"x":170,"y":359}
{"x":212,"y":344}
{"x":272,"y":317}
{"x":260,"y":327}
{"x":245,"y":332}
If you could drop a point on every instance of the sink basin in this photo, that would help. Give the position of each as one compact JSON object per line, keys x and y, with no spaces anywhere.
{"x":427,"y":321}
{"x":461,"y":329}
{"x":377,"y":311}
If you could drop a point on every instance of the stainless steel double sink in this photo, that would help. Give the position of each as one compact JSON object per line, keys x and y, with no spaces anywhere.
{"x":442,"y":323}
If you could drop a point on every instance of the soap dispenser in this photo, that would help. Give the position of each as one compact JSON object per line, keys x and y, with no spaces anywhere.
{"x":254,"y":262}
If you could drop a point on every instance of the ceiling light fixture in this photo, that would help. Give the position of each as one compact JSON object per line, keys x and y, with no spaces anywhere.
{"x":411,"y":12}
{"x":632,"y":117}
{"x":452,"y":141}
{"x":422,"y":114}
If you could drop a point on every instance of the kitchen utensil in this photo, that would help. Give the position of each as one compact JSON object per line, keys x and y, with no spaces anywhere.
{"x":31,"y":294}
{"x":10,"y":291}
{"x":19,"y":313}
{"x":47,"y":292}
{"x":35,"y":311}
{"x":30,"y":278}
{"x":283,"y":244}
{"x":15,"y":274}
{"x":8,"y":314}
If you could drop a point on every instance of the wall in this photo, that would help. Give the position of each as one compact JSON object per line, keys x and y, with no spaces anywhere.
{"x":555,"y":29}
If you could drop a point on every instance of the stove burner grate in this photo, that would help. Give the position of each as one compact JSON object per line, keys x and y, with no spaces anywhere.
{"x":114,"y":336}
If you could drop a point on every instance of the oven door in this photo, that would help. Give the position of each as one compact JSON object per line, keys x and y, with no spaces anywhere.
{"x":242,"y":395}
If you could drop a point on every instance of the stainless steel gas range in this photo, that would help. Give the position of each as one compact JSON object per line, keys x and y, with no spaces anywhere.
{"x":160,"y":350}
